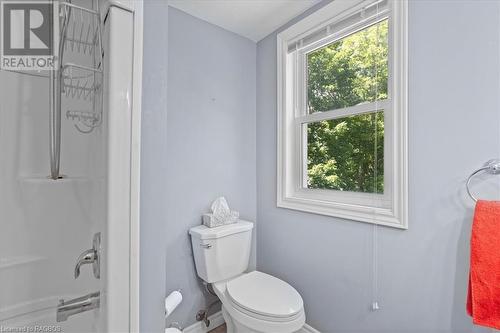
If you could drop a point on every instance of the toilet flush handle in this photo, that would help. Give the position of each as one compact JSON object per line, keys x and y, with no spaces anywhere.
{"x":206,"y":246}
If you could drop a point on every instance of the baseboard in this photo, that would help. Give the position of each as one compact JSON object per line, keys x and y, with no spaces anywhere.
{"x":217,"y":319}
{"x":308,"y":329}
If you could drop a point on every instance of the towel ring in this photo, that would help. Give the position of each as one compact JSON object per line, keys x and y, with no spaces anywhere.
{"x":492,"y":167}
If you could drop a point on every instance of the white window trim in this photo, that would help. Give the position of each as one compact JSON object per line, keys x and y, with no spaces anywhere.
{"x":389,"y":211}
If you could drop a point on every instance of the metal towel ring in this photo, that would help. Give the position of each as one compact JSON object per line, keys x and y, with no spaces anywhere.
{"x":492,"y":167}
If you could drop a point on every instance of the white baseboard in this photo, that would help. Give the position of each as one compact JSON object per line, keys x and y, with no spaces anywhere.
{"x":217,"y":319}
{"x":308,"y":329}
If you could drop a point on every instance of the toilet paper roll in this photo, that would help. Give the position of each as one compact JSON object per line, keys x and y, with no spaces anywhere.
{"x":172,"y":330}
{"x":172,"y":301}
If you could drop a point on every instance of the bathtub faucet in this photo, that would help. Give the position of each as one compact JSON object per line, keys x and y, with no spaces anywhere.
{"x":71,"y":307}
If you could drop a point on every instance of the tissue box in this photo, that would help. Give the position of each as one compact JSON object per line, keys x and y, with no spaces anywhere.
{"x":211,"y":221}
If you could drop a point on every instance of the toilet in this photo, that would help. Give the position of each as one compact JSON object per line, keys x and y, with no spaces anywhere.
{"x":252,"y":302}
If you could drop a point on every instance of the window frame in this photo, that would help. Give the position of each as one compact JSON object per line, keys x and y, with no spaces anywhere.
{"x":390,"y":208}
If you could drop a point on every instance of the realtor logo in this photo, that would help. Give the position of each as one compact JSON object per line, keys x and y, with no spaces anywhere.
{"x":28,"y":35}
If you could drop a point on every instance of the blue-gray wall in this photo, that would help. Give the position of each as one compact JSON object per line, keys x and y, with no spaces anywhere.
{"x":453,"y":128}
{"x":211,"y":141}
{"x":154,"y":159}
{"x":220,"y":114}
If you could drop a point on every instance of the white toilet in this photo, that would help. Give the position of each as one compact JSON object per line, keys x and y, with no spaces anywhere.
{"x":252,"y":302}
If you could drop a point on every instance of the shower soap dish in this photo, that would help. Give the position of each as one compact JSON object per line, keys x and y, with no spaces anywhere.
{"x":84,"y":121}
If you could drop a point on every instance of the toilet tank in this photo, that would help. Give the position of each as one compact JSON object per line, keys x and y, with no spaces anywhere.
{"x":223,"y":252}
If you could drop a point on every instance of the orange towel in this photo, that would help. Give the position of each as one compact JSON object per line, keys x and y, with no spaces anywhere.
{"x":483,"y":299}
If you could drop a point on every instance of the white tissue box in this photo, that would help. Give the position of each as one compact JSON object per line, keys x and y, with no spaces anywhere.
{"x":211,"y":221}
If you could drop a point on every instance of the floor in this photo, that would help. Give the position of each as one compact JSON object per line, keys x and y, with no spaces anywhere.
{"x":220,"y":329}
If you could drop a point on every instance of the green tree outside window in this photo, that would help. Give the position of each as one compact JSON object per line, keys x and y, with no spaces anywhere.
{"x":347,"y":153}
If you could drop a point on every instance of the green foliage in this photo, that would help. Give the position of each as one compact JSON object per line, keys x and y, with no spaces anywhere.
{"x":347,"y":153}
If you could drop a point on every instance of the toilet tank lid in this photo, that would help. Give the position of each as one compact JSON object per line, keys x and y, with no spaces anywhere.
{"x":203,"y":232}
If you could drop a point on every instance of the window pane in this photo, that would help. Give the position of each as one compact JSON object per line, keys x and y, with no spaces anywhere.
{"x":347,"y":154}
{"x":350,"y":71}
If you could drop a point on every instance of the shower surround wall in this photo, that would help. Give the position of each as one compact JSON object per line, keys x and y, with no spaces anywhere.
{"x":202,"y":148}
{"x":45,"y":223}
{"x":454,"y":128}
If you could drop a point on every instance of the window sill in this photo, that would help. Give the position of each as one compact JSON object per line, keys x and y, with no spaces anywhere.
{"x":366,"y":214}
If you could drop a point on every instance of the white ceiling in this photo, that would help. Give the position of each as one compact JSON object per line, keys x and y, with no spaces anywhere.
{"x":254,"y":19}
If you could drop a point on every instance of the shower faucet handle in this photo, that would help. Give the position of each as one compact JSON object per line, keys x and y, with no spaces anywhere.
{"x":87,"y":257}
{"x":91,"y":256}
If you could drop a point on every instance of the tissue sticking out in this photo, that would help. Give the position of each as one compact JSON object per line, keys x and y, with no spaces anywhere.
{"x":221,"y":214}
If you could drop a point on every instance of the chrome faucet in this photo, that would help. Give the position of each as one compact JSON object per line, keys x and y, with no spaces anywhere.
{"x":88,"y":302}
{"x":91,"y":256}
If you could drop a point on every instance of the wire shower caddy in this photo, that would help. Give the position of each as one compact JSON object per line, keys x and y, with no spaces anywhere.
{"x":80,"y":80}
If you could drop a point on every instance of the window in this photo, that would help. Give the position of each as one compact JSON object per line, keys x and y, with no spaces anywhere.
{"x":342,"y":113}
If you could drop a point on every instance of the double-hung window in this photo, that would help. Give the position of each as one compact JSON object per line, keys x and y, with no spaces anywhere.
{"x":342,"y":112}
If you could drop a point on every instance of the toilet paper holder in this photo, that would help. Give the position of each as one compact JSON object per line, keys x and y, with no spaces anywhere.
{"x":174,"y":327}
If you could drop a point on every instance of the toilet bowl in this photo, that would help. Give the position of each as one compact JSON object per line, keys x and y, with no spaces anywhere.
{"x":252,"y":302}
{"x":256,"y":302}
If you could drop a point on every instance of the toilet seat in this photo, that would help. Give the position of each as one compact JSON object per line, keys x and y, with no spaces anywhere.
{"x":244,"y":308}
{"x":265,"y":297}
